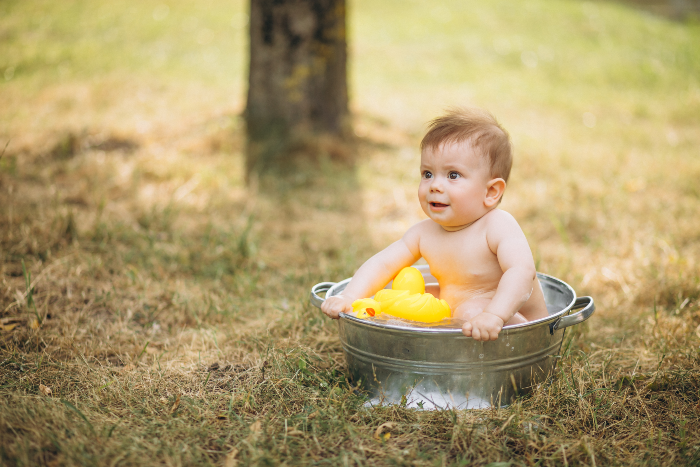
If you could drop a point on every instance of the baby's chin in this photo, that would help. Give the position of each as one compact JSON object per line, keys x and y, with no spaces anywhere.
{"x":450,"y":224}
{"x":452,"y":227}
{"x":454,"y":224}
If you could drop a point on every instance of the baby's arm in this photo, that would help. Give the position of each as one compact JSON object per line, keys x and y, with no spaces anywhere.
{"x":376,"y":272}
{"x":507,"y":241}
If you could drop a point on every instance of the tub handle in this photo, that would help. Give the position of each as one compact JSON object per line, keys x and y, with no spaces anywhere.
{"x":319,"y":288}
{"x":586,"y":306}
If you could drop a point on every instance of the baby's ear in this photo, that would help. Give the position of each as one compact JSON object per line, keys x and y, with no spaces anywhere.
{"x":494,"y":191}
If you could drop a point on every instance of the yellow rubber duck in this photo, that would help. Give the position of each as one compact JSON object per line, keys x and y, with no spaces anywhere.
{"x":366,"y":307}
{"x":406,"y":299}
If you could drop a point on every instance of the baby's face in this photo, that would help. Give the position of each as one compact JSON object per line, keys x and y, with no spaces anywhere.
{"x":454,"y":184}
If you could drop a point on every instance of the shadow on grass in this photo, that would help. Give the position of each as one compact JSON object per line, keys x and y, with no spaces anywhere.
{"x":677,"y":10}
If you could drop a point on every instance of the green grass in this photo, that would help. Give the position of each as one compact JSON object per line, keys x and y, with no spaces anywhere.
{"x":167,"y":301}
{"x":48,"y":41}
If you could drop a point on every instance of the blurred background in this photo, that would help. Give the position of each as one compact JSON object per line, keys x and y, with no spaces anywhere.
{"x":126,"y":218}
{"x":113,"y":113}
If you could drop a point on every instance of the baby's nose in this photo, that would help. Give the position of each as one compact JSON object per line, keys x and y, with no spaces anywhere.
{"x":435,"y":185}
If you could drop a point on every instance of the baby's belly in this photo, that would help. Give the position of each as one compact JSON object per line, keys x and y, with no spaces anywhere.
{"x":456,"y":295}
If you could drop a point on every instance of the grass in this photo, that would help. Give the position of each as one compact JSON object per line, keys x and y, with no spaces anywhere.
{"x":164,"y":303}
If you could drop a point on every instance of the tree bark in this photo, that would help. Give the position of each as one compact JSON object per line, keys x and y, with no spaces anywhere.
{"x":297,"y":77}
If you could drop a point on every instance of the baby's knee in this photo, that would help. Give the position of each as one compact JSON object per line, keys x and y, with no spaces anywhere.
{"x":471,"y":308}
{"x":516,"y":319}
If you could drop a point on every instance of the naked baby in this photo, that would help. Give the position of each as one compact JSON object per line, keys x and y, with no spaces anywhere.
{"x":477,"y":252}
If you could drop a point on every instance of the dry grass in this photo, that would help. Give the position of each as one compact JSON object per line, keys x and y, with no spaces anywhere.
{"x":164,"y":303}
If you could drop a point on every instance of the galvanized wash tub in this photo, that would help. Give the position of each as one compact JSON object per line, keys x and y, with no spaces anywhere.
{"x":429,"y":366}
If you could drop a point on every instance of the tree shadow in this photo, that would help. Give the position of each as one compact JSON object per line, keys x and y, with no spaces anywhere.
{"x":677,"y":10}
{"x":311,"y":221}
{"x":310,"y":212}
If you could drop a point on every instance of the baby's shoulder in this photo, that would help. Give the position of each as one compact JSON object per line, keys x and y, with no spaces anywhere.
{"x":501,"y":223}
{"x":499,"y":216}
{"x":421,"y":229}
{"x":424,"y":226}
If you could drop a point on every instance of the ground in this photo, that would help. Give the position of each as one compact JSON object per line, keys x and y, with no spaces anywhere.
{"x":154,"y":306}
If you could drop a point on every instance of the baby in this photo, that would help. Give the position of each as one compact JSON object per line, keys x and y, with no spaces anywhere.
{"x":477,"y":252}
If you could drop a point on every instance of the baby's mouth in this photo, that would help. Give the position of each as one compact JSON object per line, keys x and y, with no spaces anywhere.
{"x":439,"y":205}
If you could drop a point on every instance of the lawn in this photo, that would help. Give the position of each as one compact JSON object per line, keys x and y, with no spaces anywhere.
{"x":154,"y":308}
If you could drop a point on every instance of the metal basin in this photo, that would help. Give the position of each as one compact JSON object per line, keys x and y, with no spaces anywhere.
{"x":436,"y":366}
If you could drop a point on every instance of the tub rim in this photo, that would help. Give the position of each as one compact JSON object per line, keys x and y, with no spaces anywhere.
{"x":552,"y":320}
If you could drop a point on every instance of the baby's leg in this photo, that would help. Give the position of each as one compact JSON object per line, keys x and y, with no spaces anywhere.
{"x":473,"y":307}
{"x":469,"y":309}
{"x":433,"y":289}
{"x":516,"y":319}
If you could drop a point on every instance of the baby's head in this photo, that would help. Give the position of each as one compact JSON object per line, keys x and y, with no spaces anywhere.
{"x":477,"y":128}
{"x":465,"y":163}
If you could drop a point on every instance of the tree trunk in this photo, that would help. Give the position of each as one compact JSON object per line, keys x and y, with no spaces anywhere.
{"x":297,"y":79}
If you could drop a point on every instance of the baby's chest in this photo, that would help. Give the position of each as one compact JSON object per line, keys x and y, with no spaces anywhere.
{"x":462,"y":255}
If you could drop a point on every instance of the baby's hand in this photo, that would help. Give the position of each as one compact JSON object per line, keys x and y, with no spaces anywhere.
{"x":333,"y":306}
{"x":483,"y":327}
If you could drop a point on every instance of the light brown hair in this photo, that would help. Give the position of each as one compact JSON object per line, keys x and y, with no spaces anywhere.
{"x":480,"y":128}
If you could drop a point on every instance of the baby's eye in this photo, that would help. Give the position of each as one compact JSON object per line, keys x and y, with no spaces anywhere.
{"x":453,"y":175}
{"x":427,"y":174}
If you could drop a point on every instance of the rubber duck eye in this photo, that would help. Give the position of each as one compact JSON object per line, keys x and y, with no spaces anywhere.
{"x":453,"y":175}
